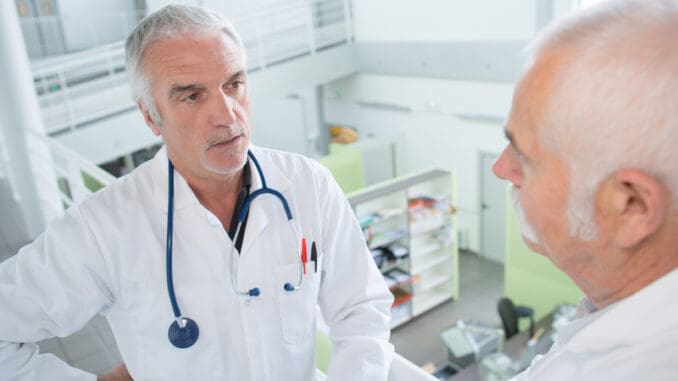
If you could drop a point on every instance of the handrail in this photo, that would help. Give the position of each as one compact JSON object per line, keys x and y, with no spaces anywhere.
{"x":76,"y":176}
{"x":272,"y":33}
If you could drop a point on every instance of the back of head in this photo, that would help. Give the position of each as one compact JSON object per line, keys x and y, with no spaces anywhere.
{"x":171,"y":21}
{"x":613,"y":96}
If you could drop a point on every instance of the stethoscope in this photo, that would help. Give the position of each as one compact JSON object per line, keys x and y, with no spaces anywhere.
{"x":183,"y":332}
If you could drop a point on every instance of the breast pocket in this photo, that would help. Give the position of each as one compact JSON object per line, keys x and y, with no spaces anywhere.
{"x":297,"y":308}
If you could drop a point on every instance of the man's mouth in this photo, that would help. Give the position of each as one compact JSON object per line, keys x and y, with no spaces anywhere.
{"x":225,"y":142}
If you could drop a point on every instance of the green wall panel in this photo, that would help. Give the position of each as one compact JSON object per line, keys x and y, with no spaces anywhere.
{"x":531,"y":279}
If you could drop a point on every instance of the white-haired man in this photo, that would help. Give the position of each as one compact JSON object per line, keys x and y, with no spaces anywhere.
{"x":209,"y":260}
{"x":593,"y":132}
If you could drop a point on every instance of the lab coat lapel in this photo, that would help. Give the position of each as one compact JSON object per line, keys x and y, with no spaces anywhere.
{"x":183,"y":194}
{"x":266,"y":206}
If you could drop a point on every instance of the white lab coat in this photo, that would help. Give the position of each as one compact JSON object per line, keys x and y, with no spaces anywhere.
{"x":633,"y":339}
{"x":107,"y":256}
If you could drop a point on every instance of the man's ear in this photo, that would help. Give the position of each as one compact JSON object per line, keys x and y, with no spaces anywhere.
{"x":148,"y":119}
{"x":634,"y":205}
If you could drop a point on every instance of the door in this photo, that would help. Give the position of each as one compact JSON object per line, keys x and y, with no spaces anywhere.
{"x":492,"y":210}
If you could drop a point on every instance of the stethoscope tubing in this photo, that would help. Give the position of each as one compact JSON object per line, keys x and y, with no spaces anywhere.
{"x":184,"y":332}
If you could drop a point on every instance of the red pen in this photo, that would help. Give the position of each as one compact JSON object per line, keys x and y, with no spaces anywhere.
{"x":304,"y":256}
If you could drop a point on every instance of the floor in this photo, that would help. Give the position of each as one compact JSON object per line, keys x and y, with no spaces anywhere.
{"x":93,"y":349}
{"x":481,"y":284}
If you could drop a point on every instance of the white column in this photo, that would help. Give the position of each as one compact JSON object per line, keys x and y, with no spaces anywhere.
{"x":20,"y":113}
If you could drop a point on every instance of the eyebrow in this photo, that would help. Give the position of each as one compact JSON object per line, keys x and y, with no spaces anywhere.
{"x":178,"y":89}
{"x":512,"y":140}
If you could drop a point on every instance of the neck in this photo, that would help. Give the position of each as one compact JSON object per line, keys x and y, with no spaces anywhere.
{"x":619,"y":274}
{"x":218,"y":194}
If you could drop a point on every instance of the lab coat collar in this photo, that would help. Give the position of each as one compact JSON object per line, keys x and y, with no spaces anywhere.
{"x":184,"y":196}
{"x":275,"y":179}
{"x":646,"y":313}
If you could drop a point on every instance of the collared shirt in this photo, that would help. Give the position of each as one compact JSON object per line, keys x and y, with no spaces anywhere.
{"x":633,"y":339}
{"x":240,"y":202}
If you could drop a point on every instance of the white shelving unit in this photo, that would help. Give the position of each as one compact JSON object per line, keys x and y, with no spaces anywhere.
{"x":410,"y":225}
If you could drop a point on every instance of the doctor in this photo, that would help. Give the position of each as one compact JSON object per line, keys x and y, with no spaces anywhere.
{"x":195,"y":258}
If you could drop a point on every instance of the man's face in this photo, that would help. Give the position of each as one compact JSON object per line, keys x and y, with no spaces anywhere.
{"x":199,"y":86}
{"x":540,"y":179}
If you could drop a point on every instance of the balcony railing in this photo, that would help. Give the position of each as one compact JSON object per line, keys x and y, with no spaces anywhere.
{"x":79,"y":88}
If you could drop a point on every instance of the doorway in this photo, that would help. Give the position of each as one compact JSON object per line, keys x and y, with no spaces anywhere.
{"x":492,"y":210}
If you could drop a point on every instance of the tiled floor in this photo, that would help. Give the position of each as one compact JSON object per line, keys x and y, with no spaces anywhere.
{"x":481,"y":284}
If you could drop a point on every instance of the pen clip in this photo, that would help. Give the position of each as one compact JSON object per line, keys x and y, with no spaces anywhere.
{"x":314,"y":257}
{"x":304,"y":255}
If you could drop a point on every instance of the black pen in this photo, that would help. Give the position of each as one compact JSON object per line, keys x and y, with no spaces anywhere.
{"x":314,"y":256}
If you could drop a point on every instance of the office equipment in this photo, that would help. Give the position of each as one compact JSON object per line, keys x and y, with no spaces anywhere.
{"x":468,"y":341}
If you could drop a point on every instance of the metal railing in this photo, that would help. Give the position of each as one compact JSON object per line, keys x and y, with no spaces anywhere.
{"x":91,"y":85}
{"x":65,"y":33}
{"x":77,"y":178}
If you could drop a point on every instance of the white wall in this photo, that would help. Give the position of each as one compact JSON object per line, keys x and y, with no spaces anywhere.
{"x":432,"y":133}
{"x":87,"y":23}
{"x":443,"y":20}
{"x":110,"y":138}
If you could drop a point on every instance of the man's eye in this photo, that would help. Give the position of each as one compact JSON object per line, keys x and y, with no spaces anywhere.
{"x":238,"y":84}
{"x":192,"y":98}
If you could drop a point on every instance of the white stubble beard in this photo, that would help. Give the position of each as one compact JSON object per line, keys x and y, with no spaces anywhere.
{"x":526,"y":228}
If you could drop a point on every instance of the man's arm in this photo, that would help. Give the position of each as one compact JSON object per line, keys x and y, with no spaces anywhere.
{"x":355,"y":302}
{"x":52,"y":287}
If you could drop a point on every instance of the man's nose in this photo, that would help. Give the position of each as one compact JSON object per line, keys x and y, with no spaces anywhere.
{"x":505,"y":169}
{"x":223,"y":110}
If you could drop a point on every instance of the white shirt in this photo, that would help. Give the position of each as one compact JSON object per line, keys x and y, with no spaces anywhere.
{"x":633,"y":339}
{"x":107,"y":256}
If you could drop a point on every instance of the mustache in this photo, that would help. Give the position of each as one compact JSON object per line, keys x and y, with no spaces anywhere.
{"x":225,"y":136}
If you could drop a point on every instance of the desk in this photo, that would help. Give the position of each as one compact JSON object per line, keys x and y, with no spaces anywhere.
{"x":513,"y":347}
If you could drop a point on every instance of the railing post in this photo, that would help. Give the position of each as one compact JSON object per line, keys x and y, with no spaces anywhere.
{"x":311,"y":27}
{"x":348,"y":21}
{"x":76,"y":182}
{"x":66,"y":96}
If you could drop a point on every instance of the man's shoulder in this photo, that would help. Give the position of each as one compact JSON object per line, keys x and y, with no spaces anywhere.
{"x":131,"y":190}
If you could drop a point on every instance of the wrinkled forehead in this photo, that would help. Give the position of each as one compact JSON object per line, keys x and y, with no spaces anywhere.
{"x":215,"y":38}
{"x":199,"y":53}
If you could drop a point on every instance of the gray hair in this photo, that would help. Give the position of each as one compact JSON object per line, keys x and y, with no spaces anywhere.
{"x":613,"y":102}
{"x":171,"y":21}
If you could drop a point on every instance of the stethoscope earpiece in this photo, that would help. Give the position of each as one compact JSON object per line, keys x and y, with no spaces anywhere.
{"x":289,"y":287}
{"x":183,"y":337}
{"x":254,"y":292}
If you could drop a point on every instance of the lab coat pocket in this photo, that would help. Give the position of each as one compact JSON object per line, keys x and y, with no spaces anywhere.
{"x":297,"y":308}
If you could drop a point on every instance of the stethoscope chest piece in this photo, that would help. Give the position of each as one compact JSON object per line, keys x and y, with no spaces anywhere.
{"x":183,"y":337}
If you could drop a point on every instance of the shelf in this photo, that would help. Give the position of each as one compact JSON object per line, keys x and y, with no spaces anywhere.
{"x":423,"y":303}
{"x":390,"y":265}
{"x":396,"y":278}
{"x":380,"y":217}
{"x":433,"y":229}
{"x":425,"y":264}
{"x":401,"y":297}
{"x":400,"y":315}
{"x":431,"y":282}
{"x":385,"y":239}
{"x":420,"y":231}
{"x":428,"y":249}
